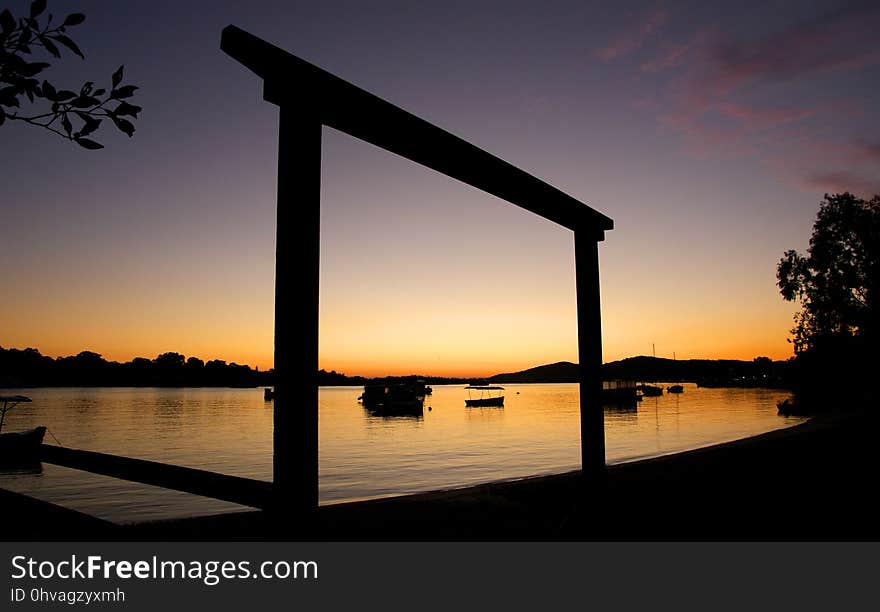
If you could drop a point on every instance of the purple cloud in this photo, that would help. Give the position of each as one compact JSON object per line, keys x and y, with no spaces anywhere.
{"x":839,"y":181}
{"x":633,"y":37}
{"x":674,"y":55}
{"x":844,"y":39}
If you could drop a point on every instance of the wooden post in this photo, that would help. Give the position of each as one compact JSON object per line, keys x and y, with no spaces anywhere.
{"x":589,"y":318}
{"x":297,"y":249}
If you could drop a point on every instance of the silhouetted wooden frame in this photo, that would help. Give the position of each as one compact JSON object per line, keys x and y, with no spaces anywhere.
{"x":310,"y":98}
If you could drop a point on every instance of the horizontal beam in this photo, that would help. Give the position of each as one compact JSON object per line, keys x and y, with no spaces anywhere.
{"x":235,"y":489}
{"x":289,"y":80}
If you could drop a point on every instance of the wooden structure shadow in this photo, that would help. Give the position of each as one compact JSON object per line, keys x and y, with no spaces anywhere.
{"x":310,"y":98}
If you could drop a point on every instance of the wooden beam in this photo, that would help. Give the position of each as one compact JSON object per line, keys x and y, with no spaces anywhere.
{"x":244,"y":491}
{"x":297,"y":251}
{"x":349,"y":109}
{"x":589,"y":320}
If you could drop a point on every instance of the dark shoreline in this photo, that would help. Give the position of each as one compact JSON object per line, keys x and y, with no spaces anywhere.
{"x":811,"y":481}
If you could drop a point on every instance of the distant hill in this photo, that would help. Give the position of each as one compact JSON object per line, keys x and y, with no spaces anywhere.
{"x":709,"y":372}
{"x":559,"y":372}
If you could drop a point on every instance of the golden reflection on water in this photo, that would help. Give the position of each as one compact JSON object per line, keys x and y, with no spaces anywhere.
{"x":362,"y":455}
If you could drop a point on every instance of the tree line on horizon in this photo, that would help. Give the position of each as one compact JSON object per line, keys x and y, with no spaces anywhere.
{"x":29,"y":368}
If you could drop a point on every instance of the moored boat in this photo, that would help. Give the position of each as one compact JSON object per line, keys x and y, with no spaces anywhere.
{"x":385,"y":398}
{"x":488,"y":396}
{"x":19,"y":447}
{"x":650,"y":390}
{"x":675,"y":389}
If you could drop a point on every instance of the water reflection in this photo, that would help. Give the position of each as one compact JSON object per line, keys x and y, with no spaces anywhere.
{"x":362,"y":454}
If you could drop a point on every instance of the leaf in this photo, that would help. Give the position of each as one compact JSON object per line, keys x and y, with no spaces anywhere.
{"x":86,"y":89}
{"x":99,"y":92}
{"x":50,"y":46}
{"x":89,"y":144}
{"x":90,"y":126}
{"x":30,"y":70}
{"x":84,"y":101}
{"x":74,"y":19}
{"x":49,"y":91}
{"x":65,"y":123}
{"x":64,"y":94}
{"x":7,"y":21}
{"x":9,"y":101}
{"x":117,"y":76}
{"x":125,"y":108}
{"x":2,"y":116}
{"x":64,"y":40}
{"x":37,"y":7}
{"x":124,"y":126}
{"x":123,"y":92}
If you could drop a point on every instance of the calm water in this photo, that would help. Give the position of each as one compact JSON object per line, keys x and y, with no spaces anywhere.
{"x":361,"y":456}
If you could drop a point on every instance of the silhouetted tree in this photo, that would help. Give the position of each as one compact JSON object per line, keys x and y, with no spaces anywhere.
{"x":71,"y":114}
{"x":837,"y":282}
{"x":170,"y":360}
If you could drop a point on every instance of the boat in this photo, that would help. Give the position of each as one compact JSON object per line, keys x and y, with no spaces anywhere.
{"x":649,"y":390}
{"x":675,"y":389}
{"x":488,"y":396}
{"x":19,"y":447}
{"x":392,"y":399}
{"x":791,"y":407}
{"x":268,"y":393}
{"x":420,"y":388}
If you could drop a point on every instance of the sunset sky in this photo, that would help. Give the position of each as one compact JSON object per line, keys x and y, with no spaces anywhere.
{"x":708,"y":131}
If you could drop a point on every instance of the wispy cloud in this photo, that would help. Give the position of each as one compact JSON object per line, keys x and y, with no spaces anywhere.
{"x":844,"y":39}
{"x":754,"y":118}
{"x":843,"y":180}
{"x":868,"y":150}
{"x":673,"y":55}
{"x":633,"y":37}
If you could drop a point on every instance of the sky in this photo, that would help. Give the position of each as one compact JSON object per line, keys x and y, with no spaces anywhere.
{"x":708,"y":131}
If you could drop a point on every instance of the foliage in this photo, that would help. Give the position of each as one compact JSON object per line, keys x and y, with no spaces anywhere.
{"x":26,"y":368}
{"x":73,"y":114}
{"x":836,"y":283}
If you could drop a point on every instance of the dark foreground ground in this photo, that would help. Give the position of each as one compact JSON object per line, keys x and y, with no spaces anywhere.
{"x":810,"y":482}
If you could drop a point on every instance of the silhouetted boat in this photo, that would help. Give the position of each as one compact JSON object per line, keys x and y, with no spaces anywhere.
{"x":649,"y":390}
{"x":791,"y":407}
{"x":392,"y":399}
{"x":487,"y":396}
{"x":675,"y":389}
{"x":268,"y":394}
{"x":419,"y":387}
{"x":19,"y":447}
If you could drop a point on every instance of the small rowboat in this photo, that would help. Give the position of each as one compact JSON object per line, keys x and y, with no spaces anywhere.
{"x":19,"y":447}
